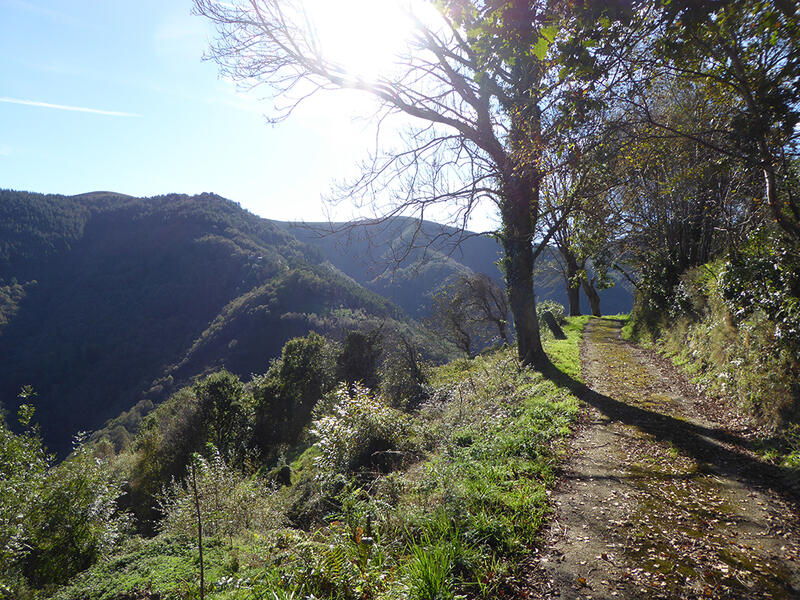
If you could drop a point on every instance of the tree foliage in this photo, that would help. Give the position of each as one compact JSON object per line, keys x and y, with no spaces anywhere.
{"x":294,"y":383}
{"x":744,"y":53}
{"x":55,"y":520}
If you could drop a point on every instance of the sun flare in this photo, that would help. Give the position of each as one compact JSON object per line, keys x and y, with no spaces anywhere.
{"x":364,"y":36}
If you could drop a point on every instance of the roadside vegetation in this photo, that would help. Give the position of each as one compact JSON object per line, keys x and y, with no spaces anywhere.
{"x":377,"y":495}
{"x":733,"y":324}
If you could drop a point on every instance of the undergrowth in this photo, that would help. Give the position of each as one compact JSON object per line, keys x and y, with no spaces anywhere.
{"x":446,"y":512}
{"x":742,"y":358}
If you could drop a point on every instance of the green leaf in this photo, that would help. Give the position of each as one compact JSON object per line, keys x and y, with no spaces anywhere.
{"x":546,"y":37}
{"x":550,"y":32}
{"x":539,"y":49}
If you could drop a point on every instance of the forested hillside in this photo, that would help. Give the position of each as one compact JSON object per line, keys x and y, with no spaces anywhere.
{"x":409,"y":262}
{"x":108,"y":301}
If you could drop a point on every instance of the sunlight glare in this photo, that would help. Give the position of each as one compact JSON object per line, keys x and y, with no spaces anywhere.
{"x":364,"y":36}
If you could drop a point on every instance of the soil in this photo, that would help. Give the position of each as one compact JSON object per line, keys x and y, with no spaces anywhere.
{"x":662,"y":497}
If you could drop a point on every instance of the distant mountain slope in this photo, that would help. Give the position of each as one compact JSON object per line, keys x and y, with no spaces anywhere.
{"x":408,"y":261}
{"x":108,"y":300}
{"x":402,"y":259}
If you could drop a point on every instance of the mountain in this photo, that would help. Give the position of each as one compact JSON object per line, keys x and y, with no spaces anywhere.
{"x":107,"y":301}
{"x":408,"y":261}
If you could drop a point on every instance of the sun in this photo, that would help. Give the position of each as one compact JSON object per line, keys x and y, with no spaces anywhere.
{"x":366,"y":37}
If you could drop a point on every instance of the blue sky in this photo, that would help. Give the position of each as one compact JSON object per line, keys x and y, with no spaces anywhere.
{"x":155,"y":118}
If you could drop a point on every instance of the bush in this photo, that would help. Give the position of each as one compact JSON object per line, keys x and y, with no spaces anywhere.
{"x":766,"y":277}
{"x":75,"y":519}
{"x":359,"y":425}
{"x":726,"y":337}
{"x":216,"y":410}
{"x":54,"y":521}
{"x":23,"y":464}
{"x":230,"y":503}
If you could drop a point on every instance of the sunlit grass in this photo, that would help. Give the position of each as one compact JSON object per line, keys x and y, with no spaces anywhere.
{"x":457,"y":519}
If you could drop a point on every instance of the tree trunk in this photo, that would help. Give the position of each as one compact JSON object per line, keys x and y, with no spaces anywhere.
{"x":521,"y":175}
{"x":521,"y":199}
{"x":593,"y":296}
{"x":573,"y":286}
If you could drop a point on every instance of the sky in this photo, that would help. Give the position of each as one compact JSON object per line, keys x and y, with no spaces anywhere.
{"x":112,"y":95}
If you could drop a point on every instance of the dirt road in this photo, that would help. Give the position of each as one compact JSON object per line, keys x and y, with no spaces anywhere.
{"x":659,"y":499}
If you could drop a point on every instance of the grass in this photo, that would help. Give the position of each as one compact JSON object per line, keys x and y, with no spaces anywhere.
{"x":455,"y":520}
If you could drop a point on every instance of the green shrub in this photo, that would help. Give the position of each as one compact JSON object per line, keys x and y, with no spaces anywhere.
{"x":75,"y":519}
{"x":23,"y":464}
{"x":765,"y":277}
{"x":230,"y":503}
{"x":359,"y":425}
{"x":54,"y":521}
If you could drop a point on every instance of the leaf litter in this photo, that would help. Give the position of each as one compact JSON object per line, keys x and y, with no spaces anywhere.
{"x":640,"y":513}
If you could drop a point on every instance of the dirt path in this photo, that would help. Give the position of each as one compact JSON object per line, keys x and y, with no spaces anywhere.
{"x":658,"y":499}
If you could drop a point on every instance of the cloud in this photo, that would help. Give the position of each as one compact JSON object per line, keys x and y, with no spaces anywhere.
{"x":95,"y":111}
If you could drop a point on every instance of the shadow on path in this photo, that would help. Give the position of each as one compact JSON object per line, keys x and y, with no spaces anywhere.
{"x":696,"y":441}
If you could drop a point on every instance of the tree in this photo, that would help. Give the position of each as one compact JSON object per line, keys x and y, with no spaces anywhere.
{"x":224,"y":413}
{"x":288,"y":392}
{"x":575,"y":199}
{"x":744,"y":52}
{"x":360,"y":358}
{"x":466,"y":310}
{"x":485,"y":301}
{"x":403,"y":377}
{"x":483,"y":92}
{"x":563,"y":191}
{"x":455,"y":320}
{"x":680,"y":203}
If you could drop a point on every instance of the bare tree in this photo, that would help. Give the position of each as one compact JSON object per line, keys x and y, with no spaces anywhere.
{"x":455,"y":320}
{"x":483,"y":104}
{"x":486,"y":301}
{"x":574,"y":195}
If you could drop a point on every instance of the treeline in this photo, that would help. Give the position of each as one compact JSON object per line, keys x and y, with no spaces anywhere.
{"x":717,"y":275}
{"x":683,"y":176}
